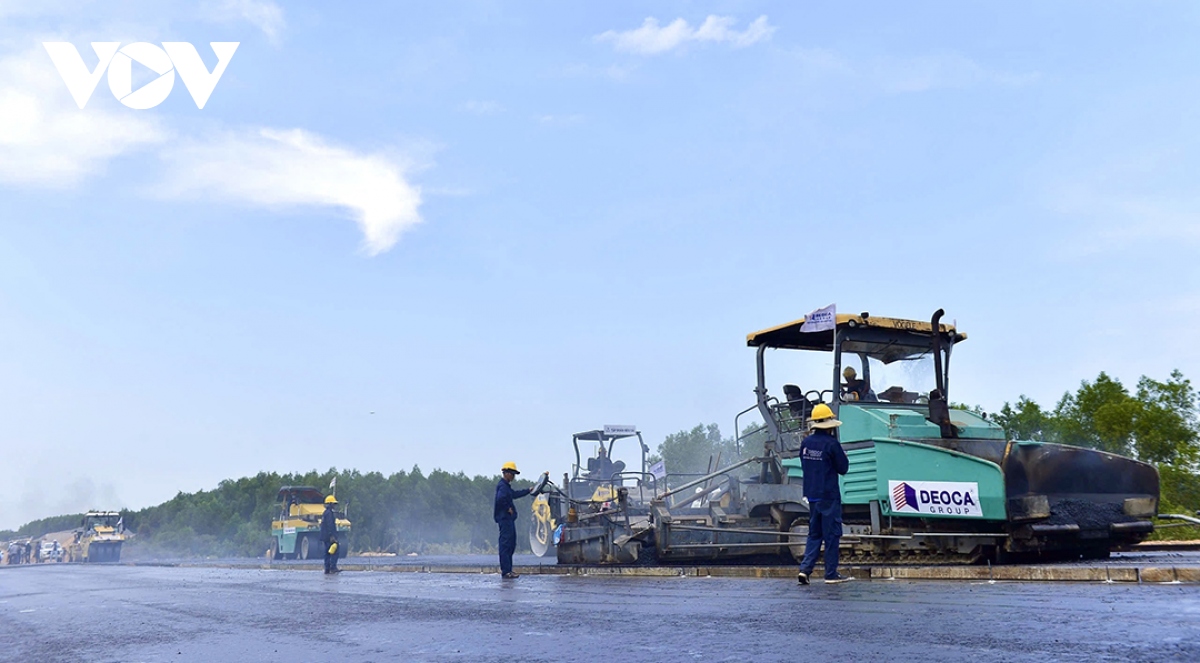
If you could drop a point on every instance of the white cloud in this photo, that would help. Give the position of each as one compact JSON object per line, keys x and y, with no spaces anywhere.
{"x":652,"y":38}
{"x":277,"y":168}
{"x":46,"y":140}
{"x":262,"y":14}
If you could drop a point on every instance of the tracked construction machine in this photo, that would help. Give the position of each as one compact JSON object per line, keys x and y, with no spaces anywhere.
{"x":927,"y":483}
{"x":601,"y":480}
{"x":98,"y":539}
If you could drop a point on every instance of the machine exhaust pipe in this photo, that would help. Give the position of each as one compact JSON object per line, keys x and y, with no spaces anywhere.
{"x":939,"y":405}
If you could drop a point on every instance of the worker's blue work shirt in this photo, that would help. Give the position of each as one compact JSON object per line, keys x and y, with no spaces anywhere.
{"x":328,"y":525}
{"x":822,"y":459}
{"x":504,"y":501}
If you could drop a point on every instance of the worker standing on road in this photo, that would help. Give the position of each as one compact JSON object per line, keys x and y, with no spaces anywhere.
{"x":823,"y":459}
{"x":505,"y":514}
{"x":329,"y":534}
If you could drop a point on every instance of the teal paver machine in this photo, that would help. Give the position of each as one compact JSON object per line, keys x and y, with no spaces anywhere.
{"x":929,"y":482}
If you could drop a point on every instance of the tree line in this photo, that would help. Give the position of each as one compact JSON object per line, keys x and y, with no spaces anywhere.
{"x":438,"y":512}
{"x":401,"y":513}
{"x":1156,"y":423}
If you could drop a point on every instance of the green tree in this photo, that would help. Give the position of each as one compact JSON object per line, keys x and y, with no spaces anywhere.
{"x":1158,"y":424}
{"x":1099,"y":415}
{"x":1165,"y":423}
{"x":1026,"y":421}
{"x":696,"y":451}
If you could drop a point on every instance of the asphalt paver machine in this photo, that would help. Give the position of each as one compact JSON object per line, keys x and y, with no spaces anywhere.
{"x":597,"y":483}
{"x":928,"y":483}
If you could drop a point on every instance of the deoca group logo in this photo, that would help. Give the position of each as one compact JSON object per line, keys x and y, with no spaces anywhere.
{"x":117,"y":60}
{"x":936,"y":498}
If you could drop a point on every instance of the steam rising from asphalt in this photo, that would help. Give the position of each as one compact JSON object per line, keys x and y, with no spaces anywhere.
{"x":41,"y":499}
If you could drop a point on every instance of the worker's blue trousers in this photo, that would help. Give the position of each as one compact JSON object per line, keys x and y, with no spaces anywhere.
{"x":824,"y":526}
{"x":508,"y":544}
{"x":330,"y":560}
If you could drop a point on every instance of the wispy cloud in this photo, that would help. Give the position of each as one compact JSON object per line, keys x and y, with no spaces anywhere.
{"x":945,"y":70}
{"x":262,"y":14}
{"x":46,"y":141}
{"x":1132,"y":196}
{"x":29,"y":8}
{"x":276,"y":168}
{"x":482,"y":107}
{"x":612,"y":72}
{"x":652,"y":38}
{"x":560,"y":120}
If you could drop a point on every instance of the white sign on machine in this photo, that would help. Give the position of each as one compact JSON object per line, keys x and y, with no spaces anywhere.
{"x":822,"y":319}
{"x":619,"y":429}
{"x":936,"y":498}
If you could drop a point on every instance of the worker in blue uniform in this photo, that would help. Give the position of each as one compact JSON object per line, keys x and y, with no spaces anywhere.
{"x":505,"y":514}
{"x":823,"y":459}
{"x":329,"y":534}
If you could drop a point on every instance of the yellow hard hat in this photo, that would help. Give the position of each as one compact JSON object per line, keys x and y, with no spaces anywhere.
{"x":849,"y":373}
{"x":331,"y":500}
{"x":510,"y":467}
{"x":822,"y":417}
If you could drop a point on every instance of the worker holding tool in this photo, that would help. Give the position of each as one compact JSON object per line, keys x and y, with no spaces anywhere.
{"x":823,"y":459}
{"x":329,"y":535}
{"x":505,"y":514}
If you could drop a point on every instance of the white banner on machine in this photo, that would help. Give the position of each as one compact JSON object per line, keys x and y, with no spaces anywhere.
{"x":822,"y":319}
{"x":936,"y":498}
{"x":619,"y":429}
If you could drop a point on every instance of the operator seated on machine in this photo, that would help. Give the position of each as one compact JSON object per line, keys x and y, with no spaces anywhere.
{"x":855,"y":389}
{"x":602,"y":467}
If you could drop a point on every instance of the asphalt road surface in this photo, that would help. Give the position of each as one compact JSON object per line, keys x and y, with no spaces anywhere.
{"x":149,"y":613}
{"x":1139,"y":558}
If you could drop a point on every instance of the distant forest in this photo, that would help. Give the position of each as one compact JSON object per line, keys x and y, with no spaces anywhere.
{"x":404,"y":512}
{"x":443,"y":512}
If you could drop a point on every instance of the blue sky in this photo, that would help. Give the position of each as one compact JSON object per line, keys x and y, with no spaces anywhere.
{"x":451,"y":234}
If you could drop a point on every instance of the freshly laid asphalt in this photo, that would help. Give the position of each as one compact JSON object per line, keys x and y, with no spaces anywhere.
{"x":1134,"y":566}
{"x":133,"y":613}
